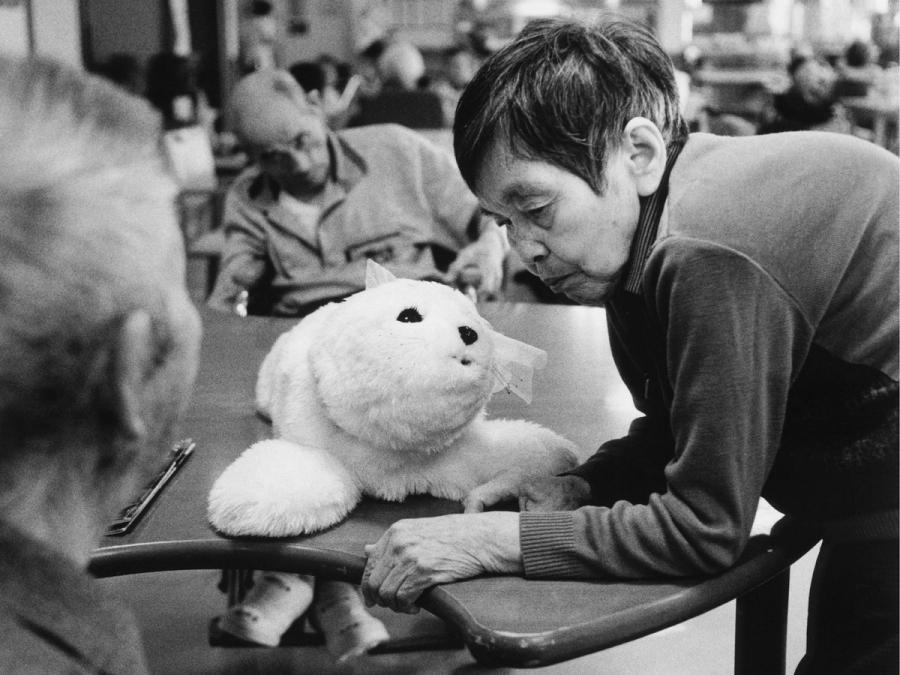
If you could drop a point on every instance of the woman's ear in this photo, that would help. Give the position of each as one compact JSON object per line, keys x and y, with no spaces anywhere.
{"x":645,"y":150}
{"x":133,"y":359}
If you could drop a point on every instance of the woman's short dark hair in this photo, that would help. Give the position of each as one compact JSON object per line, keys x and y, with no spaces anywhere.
{"x":562,"y":92}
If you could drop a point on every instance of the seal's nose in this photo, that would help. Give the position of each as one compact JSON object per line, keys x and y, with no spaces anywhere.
{"x":468,"y":335}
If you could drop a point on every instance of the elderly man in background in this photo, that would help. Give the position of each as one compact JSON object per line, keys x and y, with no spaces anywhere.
{"x":402,"y":66}
{"x":98,"y":347}
{"x":316,"y":204}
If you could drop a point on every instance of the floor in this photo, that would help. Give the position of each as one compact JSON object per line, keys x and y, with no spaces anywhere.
{"x":175,"y":608}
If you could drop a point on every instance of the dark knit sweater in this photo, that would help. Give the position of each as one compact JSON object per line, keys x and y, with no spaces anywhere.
{"x":762,"y":349}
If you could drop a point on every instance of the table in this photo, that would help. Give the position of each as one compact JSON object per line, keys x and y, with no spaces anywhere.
{"x":881,"y":112}
{"x":770,"y":78}
{"x":739,"y":92}
{"x":502,"y":620}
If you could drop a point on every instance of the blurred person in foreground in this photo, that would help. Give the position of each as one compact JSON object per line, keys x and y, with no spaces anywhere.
{"x":751,"y":294}
{"x":316,"y":204}
{"x":99,"y":349}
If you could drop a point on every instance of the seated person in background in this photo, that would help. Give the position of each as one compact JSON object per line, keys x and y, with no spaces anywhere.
{"x":461,"y":64}
{"x":401,"y":66}
{"x":889,"y":54}
{"x":258,"y":36}
{"x":312,"y":77}
{"x":99,"y":347}
{"x":173,"y":88}
{"x":808,"y":104}
{"x":320,"y":90}
{"x":859,"y":71}
{"x":366,"y":67}
{"x":126,"y":71}
{"x":405,"y":95}
{"x":316,"y":204}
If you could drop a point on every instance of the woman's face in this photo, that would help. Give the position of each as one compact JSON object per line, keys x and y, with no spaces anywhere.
{"x":575,"y":239}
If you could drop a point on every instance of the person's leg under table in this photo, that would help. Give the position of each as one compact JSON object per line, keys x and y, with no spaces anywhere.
{"x":853,"y":619}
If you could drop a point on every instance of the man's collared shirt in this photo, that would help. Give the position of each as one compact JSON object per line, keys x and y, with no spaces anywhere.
{"x":392,"y":196}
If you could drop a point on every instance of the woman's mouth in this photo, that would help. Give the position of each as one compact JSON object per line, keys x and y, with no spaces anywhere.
{"x":561,"y":283}
{"x":557,"y":283}
{"x":581,"y":288}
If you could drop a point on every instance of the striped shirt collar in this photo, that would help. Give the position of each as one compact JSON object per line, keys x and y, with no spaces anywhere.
{"x":648,"y":223}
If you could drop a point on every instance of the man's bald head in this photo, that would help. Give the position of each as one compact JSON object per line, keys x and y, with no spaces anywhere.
{"x":264,"y":104}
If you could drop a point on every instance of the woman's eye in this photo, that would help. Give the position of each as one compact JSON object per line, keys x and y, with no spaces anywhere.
{"x":536,"y":211}
{"x":271,"y":156}
{"x":409,"y":315}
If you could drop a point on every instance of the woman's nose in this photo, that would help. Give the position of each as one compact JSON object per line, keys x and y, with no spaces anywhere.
{"x":301,"y":162}
{"x":531,"y":252}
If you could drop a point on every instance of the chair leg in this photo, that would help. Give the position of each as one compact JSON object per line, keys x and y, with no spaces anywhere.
{"x":760,"y":637}
{"x":235,"y":584}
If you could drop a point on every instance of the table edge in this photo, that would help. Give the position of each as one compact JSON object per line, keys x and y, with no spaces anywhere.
{"x":769,"y":556}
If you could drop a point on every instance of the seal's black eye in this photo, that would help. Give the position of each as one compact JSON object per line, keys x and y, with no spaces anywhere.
{"x":468,"y":335}
{"x":409,"y":315}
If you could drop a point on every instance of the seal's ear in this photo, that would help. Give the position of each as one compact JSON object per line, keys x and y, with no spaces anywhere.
{"x":514,"y":365}
{"x":376,"y":275}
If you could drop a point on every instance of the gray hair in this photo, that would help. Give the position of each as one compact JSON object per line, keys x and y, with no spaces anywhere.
{"x":260,"y":102}
{"x":87,"y":228}
{"x":402,"y":63}
{"x":562,"y":91}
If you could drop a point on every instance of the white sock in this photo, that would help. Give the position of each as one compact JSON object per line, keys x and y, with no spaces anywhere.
{"x":276,"y":600}
{"x":342,"y":617}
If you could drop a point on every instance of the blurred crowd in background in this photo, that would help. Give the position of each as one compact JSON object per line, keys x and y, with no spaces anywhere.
{"x":389,"y":81}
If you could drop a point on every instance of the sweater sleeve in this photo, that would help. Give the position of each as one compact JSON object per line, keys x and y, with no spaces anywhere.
{"x":454,"y":209}
{"x":244,"y":258}
{"x":629,"y":468}
{"x":731,"y":338}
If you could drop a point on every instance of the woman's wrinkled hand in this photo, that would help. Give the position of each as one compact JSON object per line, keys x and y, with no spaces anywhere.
{"x":415,"y":554}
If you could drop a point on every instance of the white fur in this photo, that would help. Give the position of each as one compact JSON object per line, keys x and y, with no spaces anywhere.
{"x":362,"y":403}
{"x":250,"y":492}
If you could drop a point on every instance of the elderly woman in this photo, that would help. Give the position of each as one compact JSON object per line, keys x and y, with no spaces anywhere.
{"x":751,"y":296}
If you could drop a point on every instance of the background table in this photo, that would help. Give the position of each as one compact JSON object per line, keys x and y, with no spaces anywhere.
{"x":880,"y":113}
{"x":503,"y":620}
